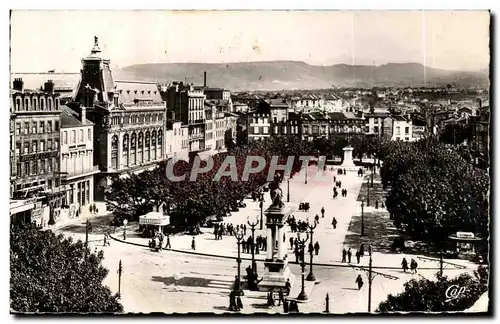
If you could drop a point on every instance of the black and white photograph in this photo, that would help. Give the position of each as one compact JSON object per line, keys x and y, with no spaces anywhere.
{"x":250,"y":162}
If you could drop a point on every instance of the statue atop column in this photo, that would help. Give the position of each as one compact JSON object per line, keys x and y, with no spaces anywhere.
{"x":276,"y":198}
{"x":96,"y":41}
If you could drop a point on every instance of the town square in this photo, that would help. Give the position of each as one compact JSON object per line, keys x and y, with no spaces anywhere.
{"x":248,"y":186}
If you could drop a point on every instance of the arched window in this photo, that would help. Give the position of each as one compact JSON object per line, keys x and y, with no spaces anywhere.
{"x":160,"y":142}
{"x":57,"y":103}
{"x":34,"y":103}
{"x":153,"y":144}
{"x":42,"y":103}
{"x":27,"y":105}
{"x":125,"y":149}
{"x":140,"y":150}
{"x":133,"y":140}
{"x":18,"y":104}
{"x":49,"y":103}
{"x":147,"y":147}
{"x":114,"y":152}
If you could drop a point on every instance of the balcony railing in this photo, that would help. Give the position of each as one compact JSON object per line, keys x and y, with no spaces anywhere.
{"x":195,"y":136}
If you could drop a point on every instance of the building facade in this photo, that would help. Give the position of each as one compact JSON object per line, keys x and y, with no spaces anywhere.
{"x":77,"y":161}
{"x":402,"y":129}
{"x":35,"y":174}
{"x":188,"y":106}
{"x":129,"y":120}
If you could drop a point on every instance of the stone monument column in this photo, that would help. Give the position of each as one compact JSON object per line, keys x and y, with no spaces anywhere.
{"x":269,"y":244}
{"x":276,"y":267}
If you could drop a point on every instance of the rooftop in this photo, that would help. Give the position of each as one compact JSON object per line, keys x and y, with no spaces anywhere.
{"x":70,"y":118}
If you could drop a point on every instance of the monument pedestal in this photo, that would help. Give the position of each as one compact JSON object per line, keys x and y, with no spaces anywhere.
{"x":348,"y":163}
{"x":276,"y":275}
{"x":276,"y":271}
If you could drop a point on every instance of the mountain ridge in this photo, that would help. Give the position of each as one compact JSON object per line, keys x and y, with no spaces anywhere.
{"x":280,"y":75}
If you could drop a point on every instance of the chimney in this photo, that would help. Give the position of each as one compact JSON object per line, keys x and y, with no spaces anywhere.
{"x":205,"y":79}
{"x":49,"y":86}
{"x":18,"y":84}
{"x":83,"y":115}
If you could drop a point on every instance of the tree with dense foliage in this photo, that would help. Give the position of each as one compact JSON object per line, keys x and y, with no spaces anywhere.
{"x":50,"y":273}
{"x":434,"y":192}
{"x":430,"y":296}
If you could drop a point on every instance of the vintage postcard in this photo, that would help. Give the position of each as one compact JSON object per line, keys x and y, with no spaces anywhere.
{"x":249,"y":162}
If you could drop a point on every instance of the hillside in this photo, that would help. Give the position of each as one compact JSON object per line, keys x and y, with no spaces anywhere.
{"x":278,"y":75}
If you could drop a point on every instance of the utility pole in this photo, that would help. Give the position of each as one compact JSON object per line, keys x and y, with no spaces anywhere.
{"x":261,"y":205}
{"x":87,"y":225}
{"x":362,"y":217}
{"x":288,"y":191}
{"x":120,"y":270}
{"x":371,"y":275}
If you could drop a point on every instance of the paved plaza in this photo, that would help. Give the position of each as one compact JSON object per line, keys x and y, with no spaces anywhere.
{"x":183,"y":280}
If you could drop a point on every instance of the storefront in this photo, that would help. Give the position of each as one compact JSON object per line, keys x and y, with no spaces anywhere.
{"x":26,"y":211}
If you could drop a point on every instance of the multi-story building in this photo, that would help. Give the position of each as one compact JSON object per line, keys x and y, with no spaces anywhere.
{"x":402,"y":129}
{"x":306,"y":103}
{"x":481,"y":137}
{"x":258,"y":125}
{"x":176,"y":144}
{"x":375,"y":123}
{"x":35,"y":163}
{"x":188,"y":105}
{"x":77,"y":162}
{"x":128,"y":116}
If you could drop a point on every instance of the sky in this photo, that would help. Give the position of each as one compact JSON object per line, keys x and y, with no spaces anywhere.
{"x":452,"y":40}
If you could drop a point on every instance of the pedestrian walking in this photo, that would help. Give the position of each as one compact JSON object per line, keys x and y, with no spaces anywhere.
{"x":193,"y":244}
{"x":370,"y":250}
{"x":376,"y":204}
{"x":334,"y":223}
{"x":316,"y":219}
{"x":232,"y":301}
{"x":243,"y":245}
{"x":322,"y":212}
{"x":358,"y":256}
{"x":344,"y":172}
{"x":316,"y":247}
{"x":361,"y":250}
{"x":291,"y":242}
{"x":344,"y":253}
{"x":404,"y":265}
{"x":334,"y":179}
{"x":281,"y":297}
{"x":359,"y":281}
{"x":345,"y":192}
{"x":239,"y":304}
{"x":349,"y":255}
{"x":168,"y":242}
{"x":288,"y":287}
{"x":284,"y":237}
{"x":297,"y":254}
{"x":413,"y":266}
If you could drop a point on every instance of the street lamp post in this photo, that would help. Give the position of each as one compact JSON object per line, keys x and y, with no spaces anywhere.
{"x":87,"y":226}
{"x":252,"y":226}
{"x":310,"y":276}
{"x":120,"y":270}
{"x":368,"y":195}
{"x":373,"y":171}
{"x":237,"y":288}
{"x":125,"y":222}
{"x":288,"y":191}
{"x":261,"y":205}
{"x":302,"y":242}
{"x":306,"y":174}
{"x":362,"y":217}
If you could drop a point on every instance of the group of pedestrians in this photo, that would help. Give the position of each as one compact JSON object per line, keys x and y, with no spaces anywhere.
{"x":156,"y":243}
{"x":227,"y":229}
{"x":413,"y":265}
{"x":249,"y":245}
{"x":296,"y":225}
{"x":347,"y":254}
